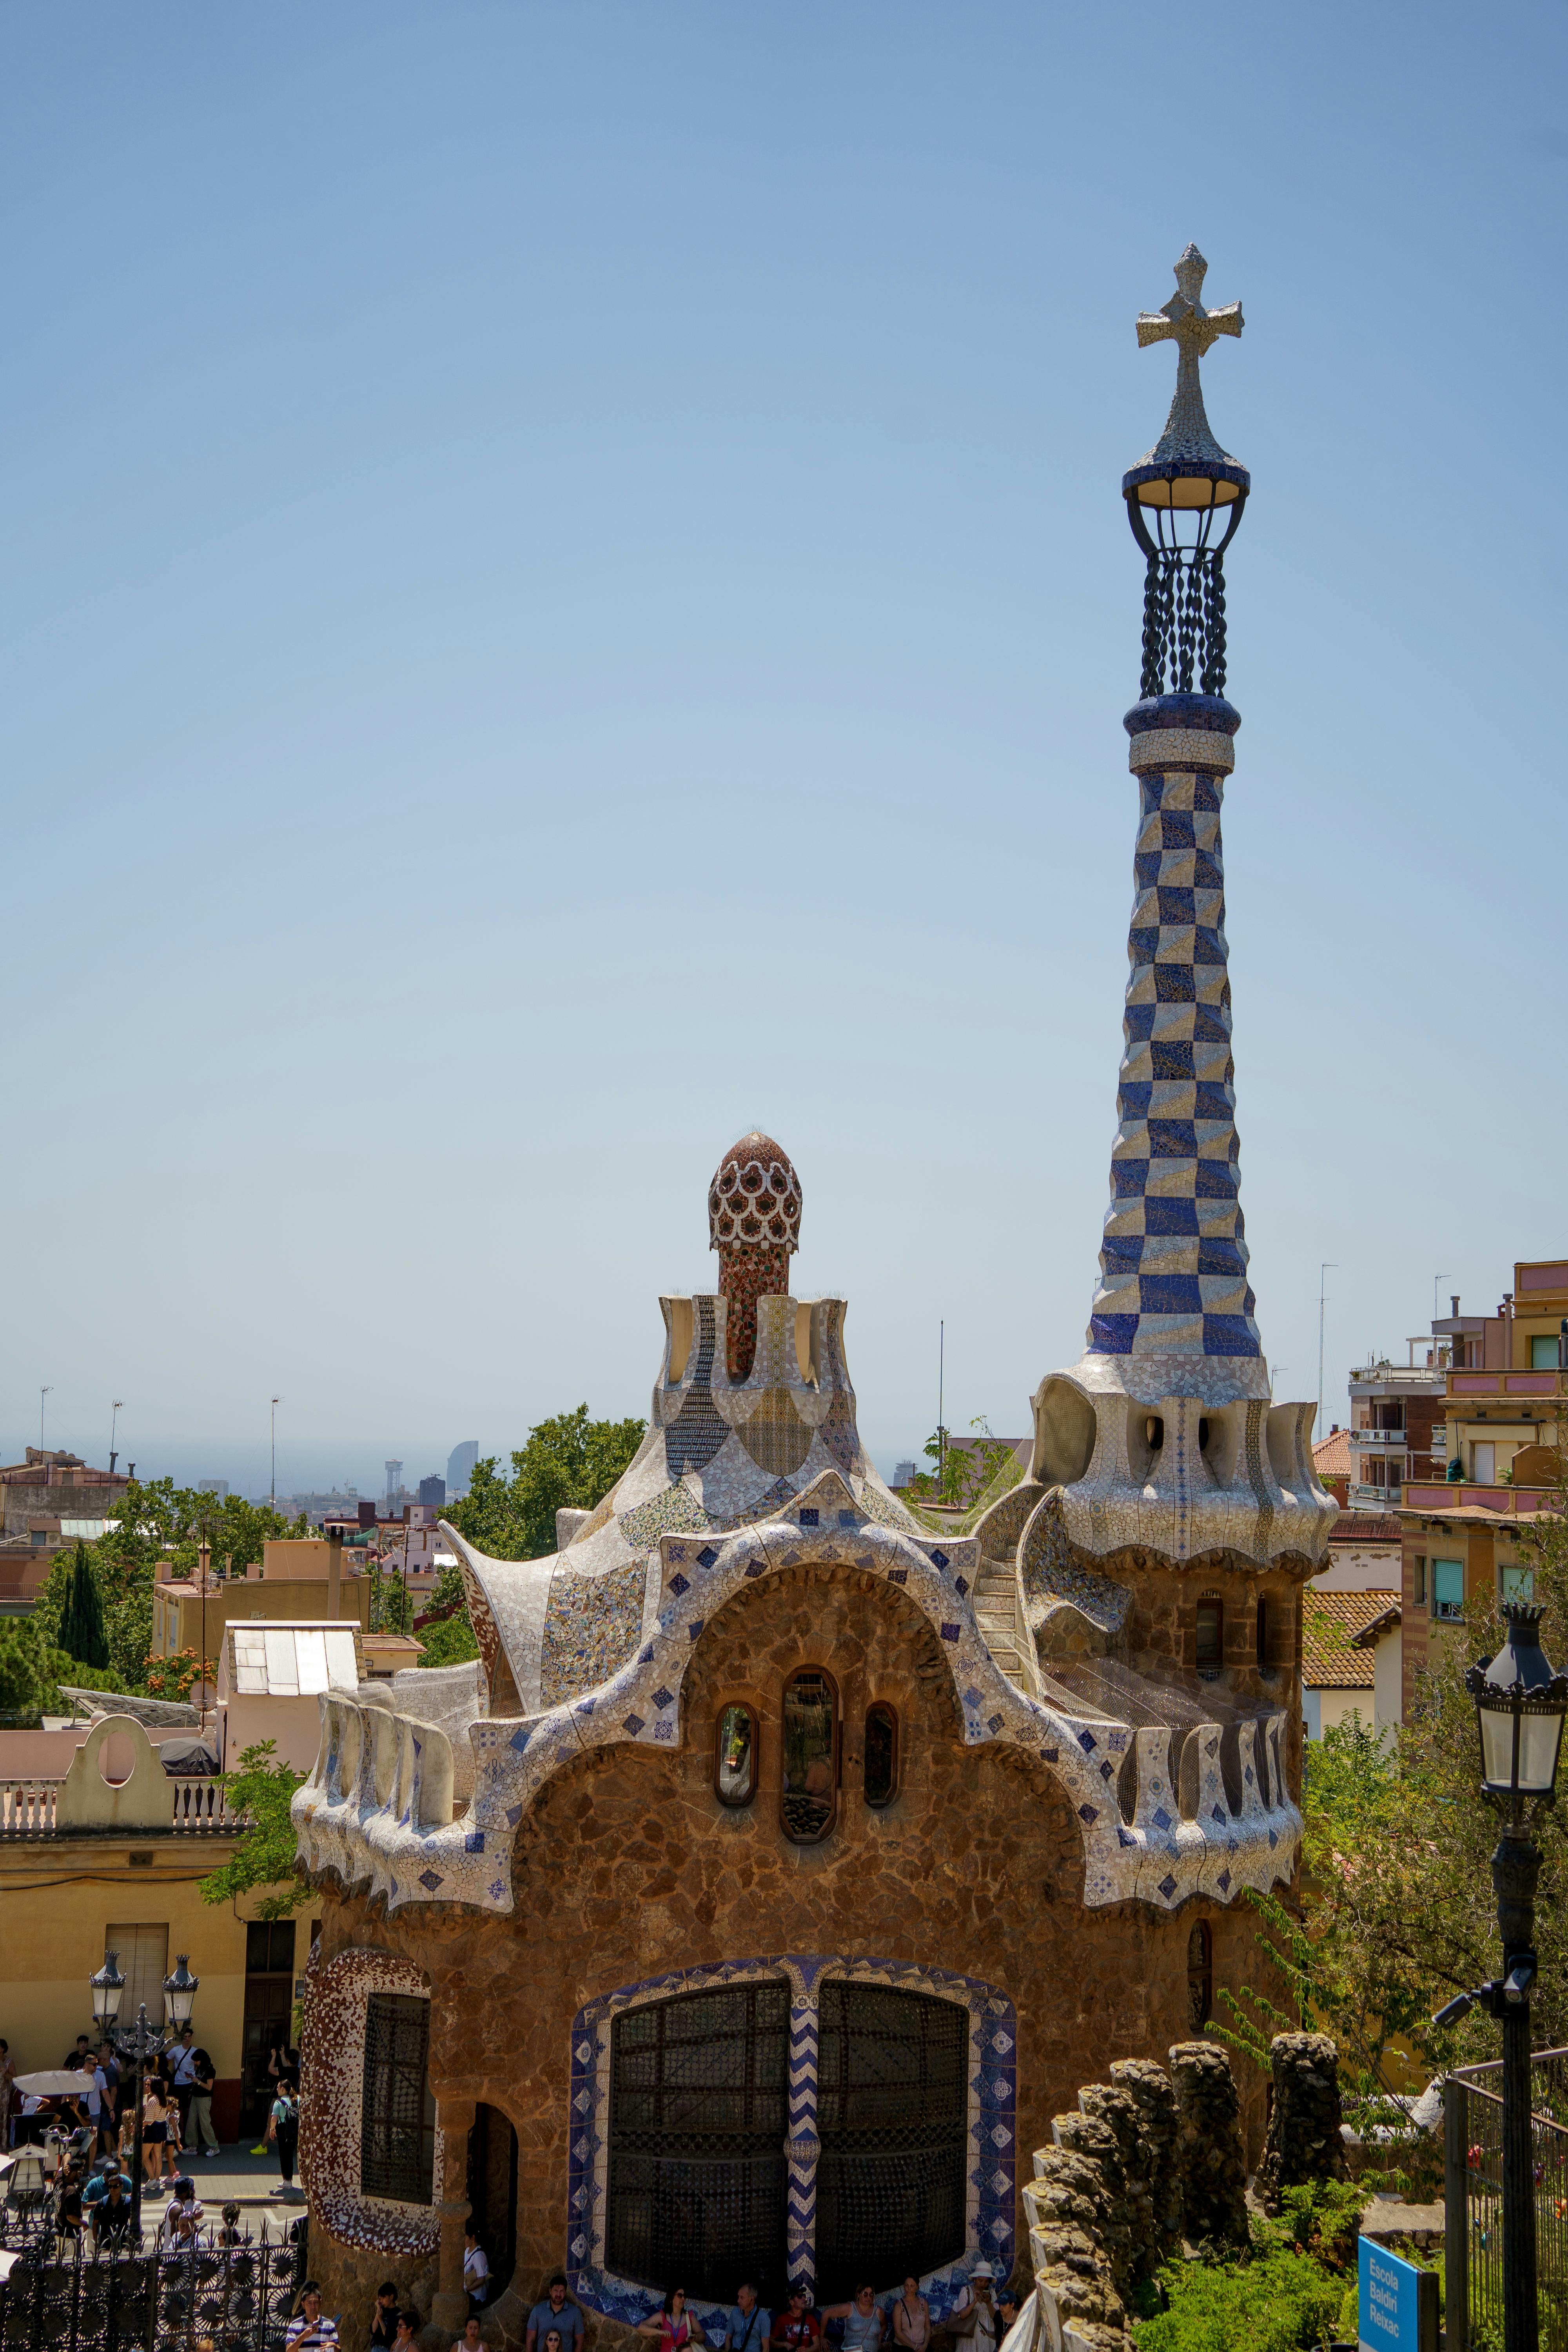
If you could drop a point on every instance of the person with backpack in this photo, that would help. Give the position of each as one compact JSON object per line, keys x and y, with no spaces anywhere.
{"x":283,"y":2132}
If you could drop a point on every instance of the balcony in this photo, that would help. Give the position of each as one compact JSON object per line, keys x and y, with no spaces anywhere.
{"x":1379,"y":1441}
{"x":1491,"y":1384}
{"x":1508,"y":1502}
{"x":43,"y":1809}
{"x":1364,"y":1497}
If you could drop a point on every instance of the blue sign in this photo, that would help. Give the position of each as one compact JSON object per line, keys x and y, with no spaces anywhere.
{"x":1389,"y":2319}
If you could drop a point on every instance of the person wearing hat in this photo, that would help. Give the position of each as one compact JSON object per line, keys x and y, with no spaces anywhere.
{"x":972,"y":2321}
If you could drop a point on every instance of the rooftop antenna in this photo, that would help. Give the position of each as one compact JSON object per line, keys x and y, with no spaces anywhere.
{"x":941,"y":1390}
{"x":273,"y":1499}
{"x":117,"y":1406}
{"x":1436,"y":1310}
{"x":1328,"y":1265}
{"x":43,"y":1393}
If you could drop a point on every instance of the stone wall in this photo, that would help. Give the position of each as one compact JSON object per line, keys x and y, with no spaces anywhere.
{"x":1209,"y":2148}
{"x":630,"y":1867}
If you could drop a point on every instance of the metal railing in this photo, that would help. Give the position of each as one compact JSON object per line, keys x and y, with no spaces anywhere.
{"x":1472,"y":2198}
{"x":61,"y":2297}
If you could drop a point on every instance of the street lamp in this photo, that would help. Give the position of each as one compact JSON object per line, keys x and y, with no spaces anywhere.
{"x":138,"y":2042}
{"x":1520,"y":1703}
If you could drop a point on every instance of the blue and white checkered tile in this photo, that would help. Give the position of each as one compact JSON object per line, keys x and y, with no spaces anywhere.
{"x":1174,"y":1254}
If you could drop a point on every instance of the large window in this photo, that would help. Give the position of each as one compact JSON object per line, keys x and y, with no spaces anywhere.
{"x":893,"y":2117}
{"x":809,"y":1800}
{"x":1447,"y":1589}
{"x":1543,"y":1351}
{"x":698,"y":2112}
{"x":1210,"y":1634}
{"x":735,"y":1755}
{"x":398,"y":2116}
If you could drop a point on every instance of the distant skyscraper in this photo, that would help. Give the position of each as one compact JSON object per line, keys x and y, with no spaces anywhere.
{"x":394,"y":1481}
{"x":433,"y":1490}
{"x":216,"y":1487}
{"x":460,"y":1466}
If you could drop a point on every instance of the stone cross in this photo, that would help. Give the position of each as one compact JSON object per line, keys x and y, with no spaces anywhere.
{"x":1184,"y":322}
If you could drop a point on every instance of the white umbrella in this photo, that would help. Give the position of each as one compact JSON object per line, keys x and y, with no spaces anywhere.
{"x":54,"y":2081}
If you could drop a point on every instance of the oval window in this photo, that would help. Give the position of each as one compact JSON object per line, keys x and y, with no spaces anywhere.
{"x":881,"y":1754}
{"x":735,"y":1756}
{"x":810,"y":1795}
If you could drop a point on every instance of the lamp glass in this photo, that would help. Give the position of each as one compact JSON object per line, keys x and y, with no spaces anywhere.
{"x":1497,"y":1747}
{"x":180,"y":1992}
{"x":1538,"y":1736}
{"x":108,"y":1990}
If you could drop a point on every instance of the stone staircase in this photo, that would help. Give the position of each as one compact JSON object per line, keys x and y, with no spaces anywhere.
{"x":997,"y":1613}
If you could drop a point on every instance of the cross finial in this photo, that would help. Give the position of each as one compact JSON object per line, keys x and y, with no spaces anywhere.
{"x":1183,"y":322}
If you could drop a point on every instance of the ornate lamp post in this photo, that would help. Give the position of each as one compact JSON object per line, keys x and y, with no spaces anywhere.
{"x":1520,"y":1703}
{"x":137,"y":2044}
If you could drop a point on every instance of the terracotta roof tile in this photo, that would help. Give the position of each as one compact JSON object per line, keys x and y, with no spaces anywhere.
{"x":1331,"y":1455}
{"x":1332,"y":1657}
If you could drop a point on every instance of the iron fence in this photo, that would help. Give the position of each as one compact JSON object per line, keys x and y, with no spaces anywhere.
{"x":61,"y":2297}
{"x":1472,"y":2198}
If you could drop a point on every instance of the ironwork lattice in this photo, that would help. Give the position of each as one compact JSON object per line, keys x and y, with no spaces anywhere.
{"x":893,"y":2117}
{"x":62,"y":2297}
{"x":698,"y":2112}
{"x":398,"y":2138}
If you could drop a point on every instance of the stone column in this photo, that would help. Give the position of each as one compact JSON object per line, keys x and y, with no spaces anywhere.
{"x":803,"y":2147}
{"x":449,"y":2304}
{"x":1305,"y":2142}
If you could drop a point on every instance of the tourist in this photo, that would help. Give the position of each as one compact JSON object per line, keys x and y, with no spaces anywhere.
{"x":862,"y":2320}
{"x":154,"y":2130}
{"x":476,"y":2266}
{"x":1008,"y":2312}
{"x":67,"y":2194}
{"x":559,"y":2310}
{"x":199,"y":2106}
{"x":97,"y":2107}
{"x":408,"y":2325}
{"x":674,"y":2326}
{"x":183,"y":2076}
{"x":746,"y":2323}
{"x":283,"y":2131}
{"x":309,"y":2329}
{"x":972,"y":2320}
{"x":107,"y":2205}
{"x":230,"y":2234}
{"x":77,"y":2057}
{"x":383,"y":2321}
{"x":181,"y":2216}
{"x":471,"y":2340}
{"x":796,"y":2327}
{"x":111,"y":2066}
{"x":912,"y":2317}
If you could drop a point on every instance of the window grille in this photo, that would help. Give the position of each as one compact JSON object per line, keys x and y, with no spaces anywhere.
{"x":809,"y":1800}
{"x":398,"y":2116}
{"x":1200,"y":1977}
{"x":1210,"y":1636}
{"x":735,"y":1755}
{"x":699,"y":2114}
{"x":893,"y":2117}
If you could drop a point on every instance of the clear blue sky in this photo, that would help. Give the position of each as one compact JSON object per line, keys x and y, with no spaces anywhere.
{"x":566,"y":595}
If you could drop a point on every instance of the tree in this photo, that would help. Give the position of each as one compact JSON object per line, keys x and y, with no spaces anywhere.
{"x":83,"y":1632}
{"x":568,"y":1462}
{"x":30,"y":1670}
{"x":963,"y":1471}
{"x":262,"y":1789}
{"x":177,"y":1675}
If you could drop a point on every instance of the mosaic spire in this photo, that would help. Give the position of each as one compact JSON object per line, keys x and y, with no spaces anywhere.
{"x":1172,"y":1261}
{"x":753,"y":1222}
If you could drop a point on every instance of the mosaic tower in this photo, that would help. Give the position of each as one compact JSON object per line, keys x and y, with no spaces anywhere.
{"x":754,"y":1223}
{"x":1170,"y":1406}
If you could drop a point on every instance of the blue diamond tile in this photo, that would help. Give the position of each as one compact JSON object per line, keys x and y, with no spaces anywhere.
{"x":519,"y":1738}
{"x":1050,"y":1755}
{"x":1162,"y":1819}
{"x":679,"y":1584}
{"x":663,"y":1698}
{"x":430,"y":1880}
{"x":1167,"y":1886}
{"x":695,"y":1627}
{"x":756,"y":1568}
{"x":810,"y":1519}
{"x":1088,"y":1742}
{"x":1106,"y":1768}
{"x":1273,"y":1841}
{"x":474,"y":1842}
{"x":1224,"y":1882}
{"x":513,"y":1815}
{"x":707,"y":1556}
{"x":961,"y":1583}
{"x":1124,"y":1837}
{"x":1217,"y":1813}
{"x":1088,"y":1813}
{"x":848,"y":1519}
{"x":972,"y":1697}
{"x":994,"y":1724}
{"x":633,"y":1723}
{"x":898,"y":1576}
{"x":939,"y":1559}
{"x":950,"y":1633}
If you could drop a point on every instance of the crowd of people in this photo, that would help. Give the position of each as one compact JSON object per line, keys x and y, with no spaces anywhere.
{"x":178,"y":2086}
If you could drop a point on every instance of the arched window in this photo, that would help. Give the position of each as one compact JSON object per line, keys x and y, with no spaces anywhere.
{"x":1210,"y":1654}
{"x":1200,"y":1977}
{"x":397,"y":2114}
{"x":881,"y":1754}
{"x":699,"y":2110}
{"x":893,"y":2115}
{"x":808,"y":1803}
{"x":735,"y":1755}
